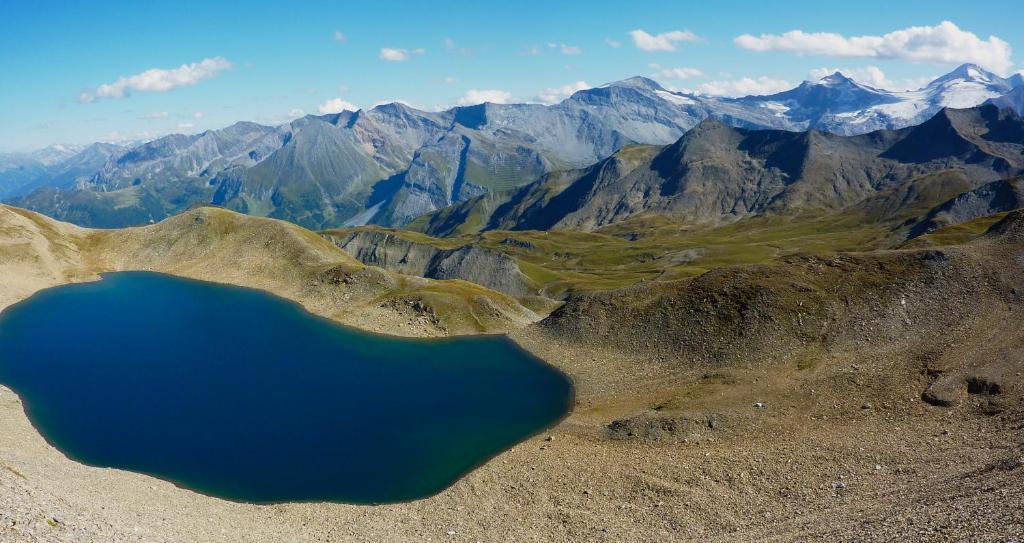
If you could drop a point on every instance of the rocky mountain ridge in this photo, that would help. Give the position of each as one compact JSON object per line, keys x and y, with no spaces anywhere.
{"x":392,"y":163}
{"x":718,"y":173}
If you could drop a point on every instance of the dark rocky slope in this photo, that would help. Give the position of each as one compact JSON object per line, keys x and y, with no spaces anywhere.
{"x":718,"y":173}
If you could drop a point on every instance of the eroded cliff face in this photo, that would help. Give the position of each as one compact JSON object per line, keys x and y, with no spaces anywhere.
{"x":479,"y":265}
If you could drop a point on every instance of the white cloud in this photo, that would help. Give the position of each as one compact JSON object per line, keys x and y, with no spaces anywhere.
{"x":198,"y":115}
{"x":157,"y":115}
{"x":449,"y":79}
{"x":566,"y":49}
{"x":296,"y":113}
{"x":872,"y":76}
{"x":474,"y":96}
{"x":676,"y":73}
{"x":944,"y":43}
{"x":336,"y":105}
{"x":666,"y":41}
{"x":393,"y":55}
{"x":159,"y":79}
{"x":185,"y":126}
{"x":557,"y":94}
{"x":613,"y":43}
{"x":339,"y":37}
{"x":399,"y":55}
{"x":745,"y":86}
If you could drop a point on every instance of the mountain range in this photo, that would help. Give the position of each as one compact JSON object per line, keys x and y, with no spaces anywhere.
{"x":393,"y":163}
{"x":717,"y":173}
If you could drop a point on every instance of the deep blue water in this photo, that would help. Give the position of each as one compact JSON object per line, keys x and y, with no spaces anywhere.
{"x":239,"y":394}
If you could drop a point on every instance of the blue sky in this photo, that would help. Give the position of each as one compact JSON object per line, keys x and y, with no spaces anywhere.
{"x":269,"y":61}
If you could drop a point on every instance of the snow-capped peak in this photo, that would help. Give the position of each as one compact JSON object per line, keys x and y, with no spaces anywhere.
{"x":970,"y":73}
{"x":836,"y":79}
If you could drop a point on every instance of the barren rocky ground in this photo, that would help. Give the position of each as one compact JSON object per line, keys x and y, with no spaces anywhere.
{"x":864,"y":397}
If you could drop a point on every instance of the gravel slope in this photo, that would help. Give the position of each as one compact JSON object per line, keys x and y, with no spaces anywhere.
{"x":667,"y":442}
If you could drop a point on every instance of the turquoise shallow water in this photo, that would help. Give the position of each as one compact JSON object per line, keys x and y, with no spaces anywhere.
{"x":243,"y":395}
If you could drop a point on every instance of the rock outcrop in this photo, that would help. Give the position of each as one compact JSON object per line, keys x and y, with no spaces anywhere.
{"x":392,"y":251}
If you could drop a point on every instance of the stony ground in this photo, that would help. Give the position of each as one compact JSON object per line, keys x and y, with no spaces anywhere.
{"x":821,"y":437}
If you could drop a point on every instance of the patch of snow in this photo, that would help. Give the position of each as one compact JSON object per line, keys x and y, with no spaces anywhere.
{"x":963,"y":94}
{"x":777,"y":107}
{"x":904,"y":109}
{"x":675,"y":98}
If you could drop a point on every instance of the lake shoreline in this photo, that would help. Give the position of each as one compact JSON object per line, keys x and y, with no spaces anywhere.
{"x":358,"y":357}
{"x":656,"y":449}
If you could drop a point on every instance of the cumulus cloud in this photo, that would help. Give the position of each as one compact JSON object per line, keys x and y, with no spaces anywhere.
{"x":339,"y":37}
{"x":871,"y":76}
{"x":666,"y":41}
{"x":557,"y":94}
{"x":336,"y":105}
{"x":296,"y":113}
{"x":676,"y":73}
{"x":944,"y":43}
{"x":399,"y":55}
{"x":474,"y":96}
{"x":159,"y":79}
{"x":745,"y":86}
{"x":531,"y":51}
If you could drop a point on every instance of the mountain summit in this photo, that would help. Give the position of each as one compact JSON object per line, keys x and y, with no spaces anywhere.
{"x":392,"y":163}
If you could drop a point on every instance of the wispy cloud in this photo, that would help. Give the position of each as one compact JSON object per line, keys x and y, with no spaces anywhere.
{"x":159,"y":79}
{"x":557,"y":94}
{"x":613,"y":43}
{"x":676,"y":73}
{"x":532,"y":51}
{"x":336,"y":105}
{"x":450,"y":45}
{"x":666,"y":41}
{"x":566,"y":49}
{"x":944,"y":43}
{"x":155,"y":116}
{"x":745,"y":86}
{"x":339,"y":37}
{"x":475,"y":96}
{"x":399,"y":55}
